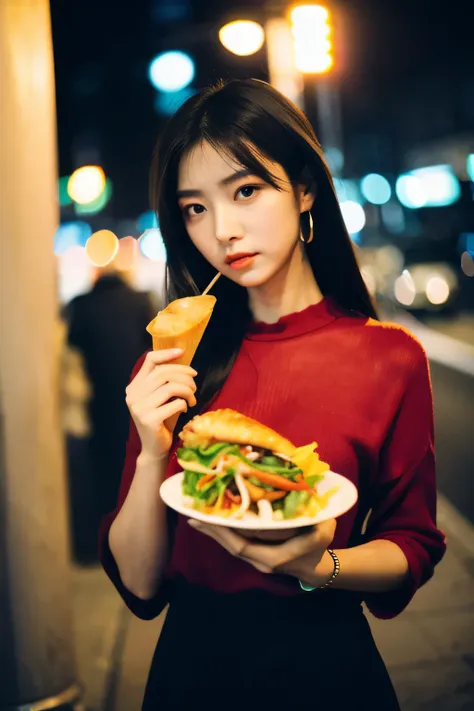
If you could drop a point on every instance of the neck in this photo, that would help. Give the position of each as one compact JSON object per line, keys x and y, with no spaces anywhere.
{"x":292,"y":289}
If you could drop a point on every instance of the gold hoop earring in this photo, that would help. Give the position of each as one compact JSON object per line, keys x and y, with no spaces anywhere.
{"x":311,"y":232}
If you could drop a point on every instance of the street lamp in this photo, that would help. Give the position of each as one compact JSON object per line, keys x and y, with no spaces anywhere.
{"x":242,"y":37}
{"x":311,"y":29}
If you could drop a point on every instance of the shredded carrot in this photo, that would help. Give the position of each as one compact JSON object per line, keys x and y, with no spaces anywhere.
{"x":205,"y":480}
{"x":279,"y":482}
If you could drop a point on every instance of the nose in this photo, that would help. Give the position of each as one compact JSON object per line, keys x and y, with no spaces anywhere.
{"x":227,"y":227}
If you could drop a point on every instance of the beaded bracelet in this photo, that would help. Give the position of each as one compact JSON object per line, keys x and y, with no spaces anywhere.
{"x":335,"y":573}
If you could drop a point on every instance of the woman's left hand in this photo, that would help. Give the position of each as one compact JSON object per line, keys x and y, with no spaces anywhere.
{"x":299,"y":556}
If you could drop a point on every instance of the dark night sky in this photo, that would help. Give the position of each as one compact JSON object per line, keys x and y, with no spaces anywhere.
{"x":102,"y":52}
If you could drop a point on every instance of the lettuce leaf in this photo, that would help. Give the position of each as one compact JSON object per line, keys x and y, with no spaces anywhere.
{"x":204,"y":455}
{"x":313,"y":479}
{"x":277,"y":466}
{"x":209,"y":493}
{"x":268,"y":463}
{"x":292,"y":501}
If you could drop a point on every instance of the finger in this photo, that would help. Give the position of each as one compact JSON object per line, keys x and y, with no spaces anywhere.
{"x":278,"y":556}
{"x":163,"y":395}
{"x":161,"y":376}
{"x":157,"y":377}
{"x":172,"y":408}
{"x":262,"y":556}
{"x":154,"y":358}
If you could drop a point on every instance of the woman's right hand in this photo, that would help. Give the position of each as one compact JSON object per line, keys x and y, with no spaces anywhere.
{"x":159,"y":390}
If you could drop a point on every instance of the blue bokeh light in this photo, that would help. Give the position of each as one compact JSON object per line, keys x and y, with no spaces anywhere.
{"x":376,"y":189}
{"x":347,"y":189}
{"x":433,"y":186}
{"x":470,"y":166}
{"x":147,"y":221}
{"x":71,"y":234}
{"x":152,"y":245}
{"x":171,"y":71}
{"x":354,"y":217}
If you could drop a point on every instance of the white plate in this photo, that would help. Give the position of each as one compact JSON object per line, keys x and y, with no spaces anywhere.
{"x":340,"y":502}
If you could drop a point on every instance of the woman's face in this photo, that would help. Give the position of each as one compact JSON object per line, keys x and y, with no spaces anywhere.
{"x":228,"y":211}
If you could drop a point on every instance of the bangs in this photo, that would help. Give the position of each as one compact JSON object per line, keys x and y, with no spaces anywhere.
{"x":242,"y":151}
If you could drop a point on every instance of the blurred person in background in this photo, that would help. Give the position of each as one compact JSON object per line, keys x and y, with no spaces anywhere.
{"x":106,"y":333}
{"x":241,"y":186}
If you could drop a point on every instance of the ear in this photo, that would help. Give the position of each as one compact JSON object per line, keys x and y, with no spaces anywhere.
{"x":306,"y":195}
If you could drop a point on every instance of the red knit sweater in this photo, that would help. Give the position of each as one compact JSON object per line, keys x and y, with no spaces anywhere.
{"x":359,"y":388}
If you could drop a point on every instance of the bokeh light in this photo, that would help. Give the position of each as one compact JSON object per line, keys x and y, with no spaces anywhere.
{"x":411,"y":191}
{"x":470,"y":166}
{"x":74,"y":273}
{"x":242,"y":37}
{"x":71,"y":234}
{"x":95,"y":206}
{"x":127,"y":254}
{"x":354,"y":216}
{"x":171,"y":71}
{"x":152,"y":245}
{"x":376,"y":189}
{"x":467,"y":264}
{"x":404,"y":289}
{"x":347,"y":190}
{"x":434,"y":186}
{"x":102,"y":247}
{"x":86,"y":184}
{"x":437,"y":290}
{"x":441,"y":183}
{"x":63,"y":195}
{"x":334,"y":158}
{"x":393,"y":217}
{"x":311,"y":30}
{"x":466,"y":242}
{"x":147,"y":221}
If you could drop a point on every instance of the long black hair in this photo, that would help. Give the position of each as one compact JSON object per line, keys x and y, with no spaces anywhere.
{"x":237,"y":117}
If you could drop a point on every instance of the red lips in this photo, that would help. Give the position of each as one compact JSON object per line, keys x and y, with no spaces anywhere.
{"x":239,"y":255}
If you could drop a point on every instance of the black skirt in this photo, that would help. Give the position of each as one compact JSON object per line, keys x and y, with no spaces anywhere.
{"x":258,"y":651}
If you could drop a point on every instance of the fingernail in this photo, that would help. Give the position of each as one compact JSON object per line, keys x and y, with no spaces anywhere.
{"x":193,"y":523}
{"x":177,"y":351}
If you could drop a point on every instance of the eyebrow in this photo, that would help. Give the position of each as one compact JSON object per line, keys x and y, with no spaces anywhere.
{"x":225,"y":181}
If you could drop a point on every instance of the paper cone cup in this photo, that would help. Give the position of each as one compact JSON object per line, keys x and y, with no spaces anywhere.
{"x":181,"y":325}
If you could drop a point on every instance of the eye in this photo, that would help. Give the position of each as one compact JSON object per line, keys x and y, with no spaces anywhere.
{"x":198,"y":210}
{"x":248,"y":191}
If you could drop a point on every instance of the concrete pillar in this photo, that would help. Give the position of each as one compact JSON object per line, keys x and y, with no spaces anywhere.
{"x":37,"y":669}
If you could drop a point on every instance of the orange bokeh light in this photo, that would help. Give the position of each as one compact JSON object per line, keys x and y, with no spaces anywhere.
{"x":102,"y":247}
{"x":127,"y":254}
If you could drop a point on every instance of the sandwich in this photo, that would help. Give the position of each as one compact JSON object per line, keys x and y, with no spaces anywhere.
{"x":235,"y":467}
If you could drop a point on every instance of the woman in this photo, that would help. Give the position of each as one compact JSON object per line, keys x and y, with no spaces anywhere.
{"x":241,"y":186}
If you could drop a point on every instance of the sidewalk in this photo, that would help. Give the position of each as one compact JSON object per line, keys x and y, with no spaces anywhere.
{"x":429,"y":649}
